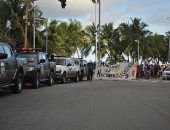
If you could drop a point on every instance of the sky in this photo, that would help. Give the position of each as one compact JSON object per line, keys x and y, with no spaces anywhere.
{"x":153,"y":12}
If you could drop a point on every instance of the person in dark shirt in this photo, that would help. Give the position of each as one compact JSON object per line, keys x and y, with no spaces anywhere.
{"x":138,"y":72}
{"x":90,"y":66}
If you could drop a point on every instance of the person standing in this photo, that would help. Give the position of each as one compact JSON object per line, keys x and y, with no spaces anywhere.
{"x":90,"y":66}
{"x":138,"y":72}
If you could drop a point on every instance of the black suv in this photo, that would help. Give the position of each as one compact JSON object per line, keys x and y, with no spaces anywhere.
{"x":39,"y":68}
{"x":11,"y":69}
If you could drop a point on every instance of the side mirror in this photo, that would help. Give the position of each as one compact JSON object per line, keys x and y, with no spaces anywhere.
{"x":3,"y":55}
{"x":42,"y":60}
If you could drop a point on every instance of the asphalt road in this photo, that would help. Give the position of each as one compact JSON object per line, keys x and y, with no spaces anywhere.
{"x":97,"y":105}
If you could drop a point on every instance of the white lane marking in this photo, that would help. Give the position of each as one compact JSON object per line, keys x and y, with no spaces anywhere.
{"x":166,"y":81}
{"x":161,"y":99}
{"x":154,"y":81}
{"x":155,"y":98}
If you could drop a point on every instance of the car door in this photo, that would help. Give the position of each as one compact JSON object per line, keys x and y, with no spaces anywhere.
{"x":46,"y":65}
{"x":76,"y":66}
{"x":68,"y":67}
{"x":41,"y":66}
{"x":10,"y":64}
{"x":2,"y":67}
{"x":85,"y":70}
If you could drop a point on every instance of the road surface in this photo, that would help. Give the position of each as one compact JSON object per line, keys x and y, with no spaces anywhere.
{"x":97,"y":105}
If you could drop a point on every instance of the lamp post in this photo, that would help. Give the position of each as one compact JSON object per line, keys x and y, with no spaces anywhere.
{"x":168,"y":18}
{"x":98,"y":38}
{"x":138,"y":49}
{"x":46,"y":43}
{"x":96,"y":34}
{"x":99,"y":26}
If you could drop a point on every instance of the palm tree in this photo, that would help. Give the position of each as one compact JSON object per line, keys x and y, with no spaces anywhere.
{"x":76,"y":35}
{"x":90,"y":34}
{"x":57,"y":37}
{"x":66,"y":38}
{"x":110,"y":44}
{"x":11,"y":20}
{"x":129,"y":33}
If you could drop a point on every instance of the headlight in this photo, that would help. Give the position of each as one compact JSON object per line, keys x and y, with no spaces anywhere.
{"x":30,"y":68}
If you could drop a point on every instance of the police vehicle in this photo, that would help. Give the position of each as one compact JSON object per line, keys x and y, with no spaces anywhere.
{"x":11,"y":69}
{"x":39,"y":68}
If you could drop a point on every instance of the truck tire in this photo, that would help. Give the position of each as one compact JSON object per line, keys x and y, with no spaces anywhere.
{"x":36,"y":81}
{"x":51,"y":80}
{"x":63,"y":80}
{"x":77,"y":78}
{"x":18,"y":84}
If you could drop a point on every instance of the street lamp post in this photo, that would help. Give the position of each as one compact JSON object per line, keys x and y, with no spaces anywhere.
{"x":96,"y":34}
{"x":98,"y":38}
{"x":168,"y":18}
{"x":99,"y":26}
{"x":46,"y":43}
{"x":138,"y":49}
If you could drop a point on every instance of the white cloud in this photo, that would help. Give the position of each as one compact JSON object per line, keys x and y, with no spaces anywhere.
{"x":152,"y":12}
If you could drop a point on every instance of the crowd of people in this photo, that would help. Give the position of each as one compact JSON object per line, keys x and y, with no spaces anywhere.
{"x":145,"y":70}
{"x":149,"y":71}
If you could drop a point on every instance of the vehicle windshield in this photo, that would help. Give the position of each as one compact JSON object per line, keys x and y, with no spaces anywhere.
{"x":60,"y":61}
{"x":29,"y":57}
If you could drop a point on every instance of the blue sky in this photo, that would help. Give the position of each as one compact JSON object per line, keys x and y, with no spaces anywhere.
{"x":152,"y":12}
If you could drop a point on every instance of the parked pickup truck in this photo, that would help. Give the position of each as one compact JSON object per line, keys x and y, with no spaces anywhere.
{"x":82,"y":65}
{"x":66,"y":69}
{"x":12,"y":69}
{"x":39,"y":68}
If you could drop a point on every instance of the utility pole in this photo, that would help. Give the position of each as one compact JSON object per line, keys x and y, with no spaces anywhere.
{"x":26,"y":24}
{"x":26,"y":45}
{"x":96,"y":33}
{"x":168,"y":18}
{"x":138,"y":51}
{"x":33,"y":26}
{"x":46,"y":43}
{"x":99,"y":37}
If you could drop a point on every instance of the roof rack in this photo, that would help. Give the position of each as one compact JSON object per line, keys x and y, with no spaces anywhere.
{"x":29,"y":49}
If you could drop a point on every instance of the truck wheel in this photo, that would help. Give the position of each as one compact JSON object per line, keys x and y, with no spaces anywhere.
{"x":51,"y":79}
{"x":63,"y":80}
{"x":36,"y":81}
{"x":77,"y":78}
{"x":82,"y":76}
{"x":18,"y":84}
